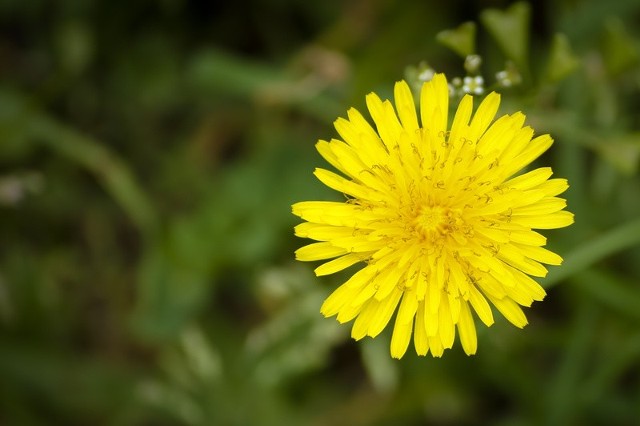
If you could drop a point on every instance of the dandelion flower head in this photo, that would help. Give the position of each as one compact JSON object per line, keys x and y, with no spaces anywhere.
{"x":436,"y":216}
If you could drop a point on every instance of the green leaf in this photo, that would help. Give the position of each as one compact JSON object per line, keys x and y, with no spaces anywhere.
{"x":618,"y":47}
{"x":381,"y":368}
{"x":295,"y":339}
{"x":585,"y":255}
{"x":510,"y":29}
{"x":34,"y":370}
{"x":609,"y":289}
{"x":461,"y":40}
{"x":623,"y":153}
{"x":604,"y":376}
{"x":25,"y":123}
{"x":562,"y":61}
{"x":75,"y":46}
{"x":171,"y":291}
{"x":220,"y":72}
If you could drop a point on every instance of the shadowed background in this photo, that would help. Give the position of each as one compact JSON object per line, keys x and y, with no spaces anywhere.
{"x":149,"y":155}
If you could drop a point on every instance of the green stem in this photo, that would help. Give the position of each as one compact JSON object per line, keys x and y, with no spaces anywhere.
{"x":562,"y":392}
{"x":613,"y":241}
{"x":609,"y":290}
{"x":604,"y":376}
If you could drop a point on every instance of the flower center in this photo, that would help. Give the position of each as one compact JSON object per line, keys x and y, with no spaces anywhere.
{"x":432,"y":222}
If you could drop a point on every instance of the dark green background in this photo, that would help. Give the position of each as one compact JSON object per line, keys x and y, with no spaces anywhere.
{"x":149,"y":155}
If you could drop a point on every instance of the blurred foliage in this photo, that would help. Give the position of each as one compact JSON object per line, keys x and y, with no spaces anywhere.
{"x":149,"y":154}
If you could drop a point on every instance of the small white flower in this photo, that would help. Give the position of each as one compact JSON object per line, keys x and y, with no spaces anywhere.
{"x":473,"y":85}
{"x":426,"y":74}
{"x":472,"y":63}
{"x":504,"y":79}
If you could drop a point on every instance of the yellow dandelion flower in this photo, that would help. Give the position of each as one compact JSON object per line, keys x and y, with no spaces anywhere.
{"x":436,"y":216}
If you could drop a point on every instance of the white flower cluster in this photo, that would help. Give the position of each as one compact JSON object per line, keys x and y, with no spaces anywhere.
{"x":472,"y":84}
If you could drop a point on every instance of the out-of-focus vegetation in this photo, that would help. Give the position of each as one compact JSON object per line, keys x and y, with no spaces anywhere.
{"x":149,"y":154}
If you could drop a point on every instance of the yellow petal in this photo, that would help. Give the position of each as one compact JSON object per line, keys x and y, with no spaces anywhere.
{"x":548,"y":221}
{"x":387,"y":123}
{"x":461,"y":122}
{"x":420,"y":339}
{"x":384,"y":313}
{"x":387,"y":280}
{"x":499,"y":135}
{"x":341,"y":296}
{"x":436,"y":283}
{"x":431,"y":323}
{"x":318,"y":251}
{"x":467,"y":330}
{"x":408,"y":308}
{"x":343,"y":185}
{"x":434,"y":104}
{"x":537,"y":146}
{"x":530,"y":179}
{"x":356,"y":131}
{"x":406,"y":106}
{"x":484,"y":115}
{"x":540,"y":254}
{"x":545,"y":206}
{"x":511,"y":311}
{"x":348,"y":312}
{"x":520,"y":141}
{"x":530,"y":238}
{"x":435,"y":344}
{"x":510,"y":254}
{"x":324,"y":148}
{"x":400,"y":338}
{"x":322,"y":232}
{"x":525,"y":283}
{"x":481,"y":306}
{"x":334,"y":213}
{"x":520,"y":295}
{"x":338,"y":264}
{"x":361,"y":278}
{"x":363,"y":321}
{"x":366,"y":293}
{"x":553,"y":187}
{"x":446,"y":327}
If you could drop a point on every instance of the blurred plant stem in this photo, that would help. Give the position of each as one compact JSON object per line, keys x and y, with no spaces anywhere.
{"x":610,"y":290}
{"x":618,"y":239}
{"x":87,"y":152}
{"x":562,"y":394}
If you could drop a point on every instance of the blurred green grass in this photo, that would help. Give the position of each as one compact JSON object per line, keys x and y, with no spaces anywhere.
{"x":149,"y":155}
